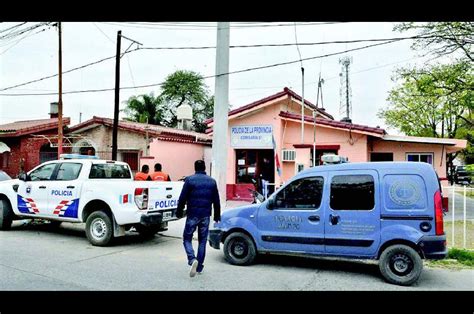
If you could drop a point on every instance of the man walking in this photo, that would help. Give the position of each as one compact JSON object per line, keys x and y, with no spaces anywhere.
{"x":200,"y":194}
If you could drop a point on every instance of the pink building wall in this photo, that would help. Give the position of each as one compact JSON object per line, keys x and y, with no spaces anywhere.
{"x":177,"y":159}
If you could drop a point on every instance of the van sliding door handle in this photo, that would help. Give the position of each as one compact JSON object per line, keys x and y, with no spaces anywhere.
{"x":313,"y":218}
{"x":70,"y":186}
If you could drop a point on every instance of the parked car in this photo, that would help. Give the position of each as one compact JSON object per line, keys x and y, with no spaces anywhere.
{"x":4,"y":176}
{"x":461,"y":175}
{"x":387,"y":211}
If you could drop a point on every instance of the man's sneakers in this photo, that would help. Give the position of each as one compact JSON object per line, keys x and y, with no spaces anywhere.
{"x":194,"y":266}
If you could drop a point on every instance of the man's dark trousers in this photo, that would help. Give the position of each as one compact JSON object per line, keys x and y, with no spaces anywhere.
{"x":202,"y":224}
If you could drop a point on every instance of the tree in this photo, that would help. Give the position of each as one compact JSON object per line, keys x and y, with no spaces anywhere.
{"x":436,"y":101}
{"x":443,"y":38}
{"x":179,"y":88}
{"x":145,"y":108}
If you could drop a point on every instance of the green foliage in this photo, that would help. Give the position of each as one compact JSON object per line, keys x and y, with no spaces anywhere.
{"x":179,"y":88}
{"x":463,"y":256}
{"x":443,"y":38}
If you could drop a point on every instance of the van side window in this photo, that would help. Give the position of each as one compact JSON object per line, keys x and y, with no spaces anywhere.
{"x":352,"y":192}
{"x":303,"y":193}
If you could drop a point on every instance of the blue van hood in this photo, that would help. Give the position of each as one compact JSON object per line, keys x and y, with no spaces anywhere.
{"x":239,"y":211}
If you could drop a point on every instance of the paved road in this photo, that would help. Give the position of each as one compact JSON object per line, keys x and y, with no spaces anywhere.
{"x":38,"y":257}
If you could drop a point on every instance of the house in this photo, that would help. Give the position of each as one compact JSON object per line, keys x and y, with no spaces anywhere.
{"x":271,"y":128}
{"x":141,"y":143}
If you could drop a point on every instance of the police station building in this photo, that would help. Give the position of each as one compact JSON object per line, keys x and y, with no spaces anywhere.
{"x":264,"y":142}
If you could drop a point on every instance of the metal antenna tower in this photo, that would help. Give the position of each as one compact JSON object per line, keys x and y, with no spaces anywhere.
{"x":345,"y":93}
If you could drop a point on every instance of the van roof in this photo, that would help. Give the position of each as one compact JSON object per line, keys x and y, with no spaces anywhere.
{"x":384,"y":165}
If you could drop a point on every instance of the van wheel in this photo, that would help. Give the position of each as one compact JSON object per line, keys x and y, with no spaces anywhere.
{"x":6,"y":215}
{"x":400,"y":265}
{"x":99,"y":228}
{"x":239,"y":249}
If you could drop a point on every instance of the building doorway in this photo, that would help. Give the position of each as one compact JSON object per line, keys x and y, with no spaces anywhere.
{"x":254,"y":165}
{"x":381,"y":157}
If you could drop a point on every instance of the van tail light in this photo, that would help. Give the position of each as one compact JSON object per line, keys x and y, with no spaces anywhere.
{"x":141,"y":198}
{"x":438,"y":204}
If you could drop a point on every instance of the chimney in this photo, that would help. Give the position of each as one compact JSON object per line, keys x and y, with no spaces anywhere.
{"x":53,"y":110}
{"x":347,"y":120}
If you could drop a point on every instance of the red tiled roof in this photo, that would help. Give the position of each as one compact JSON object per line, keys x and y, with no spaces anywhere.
{"x":335,"y":124}
{"x":286,"y":91}
{"x":25,"y":127}
{"x":161,"y":132}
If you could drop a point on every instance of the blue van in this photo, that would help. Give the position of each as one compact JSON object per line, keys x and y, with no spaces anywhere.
{"x":388,"y":211}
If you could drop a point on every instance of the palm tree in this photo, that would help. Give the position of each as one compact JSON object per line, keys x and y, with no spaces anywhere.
{"x":144,"y":107}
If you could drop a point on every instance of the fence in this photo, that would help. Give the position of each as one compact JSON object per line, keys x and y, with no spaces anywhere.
{"x":459,"y":218}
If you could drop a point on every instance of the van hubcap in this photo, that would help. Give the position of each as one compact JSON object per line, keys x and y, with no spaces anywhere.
{"x":238,"y":249}
{"x":98,"y":228}
{"x":401,"y":264}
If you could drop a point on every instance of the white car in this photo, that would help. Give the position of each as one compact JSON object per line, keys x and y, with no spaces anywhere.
{"x":100,"y":193}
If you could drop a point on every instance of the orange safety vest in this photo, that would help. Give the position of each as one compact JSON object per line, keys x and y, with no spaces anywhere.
{"x":141,"y":176}
{"x":159,"y":176}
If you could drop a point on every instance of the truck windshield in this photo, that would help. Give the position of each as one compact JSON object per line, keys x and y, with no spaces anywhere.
{"x":109,"y":171}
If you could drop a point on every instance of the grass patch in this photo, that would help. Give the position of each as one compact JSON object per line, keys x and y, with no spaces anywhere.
{"x":458,"y":234}
{"x":457,"y":259}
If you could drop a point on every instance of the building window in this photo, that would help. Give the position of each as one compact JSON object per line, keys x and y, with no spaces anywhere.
{"x":352,"y":192}
{"x":420,"y":157}
{"x":381,"y":157}
{"x":4,"y":158}
{"x":48,"y":153}
{"x":304,"y":193}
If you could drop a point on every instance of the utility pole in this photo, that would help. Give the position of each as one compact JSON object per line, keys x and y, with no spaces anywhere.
{"x":302,"y":106}
{"x":60,"y":100}
{"x":221,"y":105}
{"x":117,"y":97}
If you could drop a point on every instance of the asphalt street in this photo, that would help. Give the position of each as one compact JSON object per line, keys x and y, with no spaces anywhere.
{"x":40,"y":257}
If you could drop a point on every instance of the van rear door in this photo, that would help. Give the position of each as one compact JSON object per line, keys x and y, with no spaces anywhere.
{"x":352,"y":224}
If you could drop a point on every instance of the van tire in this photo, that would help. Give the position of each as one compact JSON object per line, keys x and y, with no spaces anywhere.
{"x":99,"y":228}
{"x":239,"y":249}
{"x":6,"y":214}
{"x":400,"y":265}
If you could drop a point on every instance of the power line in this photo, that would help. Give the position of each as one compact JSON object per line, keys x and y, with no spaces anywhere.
{"x":64,"y":72}
{"x":13,"y":27}
{"x":104,"y":34}
{"x":211,"y":76}
{"x":28,"y":34}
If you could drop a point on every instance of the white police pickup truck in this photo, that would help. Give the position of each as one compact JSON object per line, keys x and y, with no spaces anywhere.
{"x":100,"y":193}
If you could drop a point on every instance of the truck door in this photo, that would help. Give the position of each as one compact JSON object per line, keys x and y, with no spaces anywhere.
{"x":64,"y":195}
{"x":296,"y":223}
{"x":352,"y":224}
{"x":33,"y":195}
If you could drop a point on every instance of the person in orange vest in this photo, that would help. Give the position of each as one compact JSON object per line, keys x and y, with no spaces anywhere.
{"x":143,"y":175}
{"x":158,"y":175}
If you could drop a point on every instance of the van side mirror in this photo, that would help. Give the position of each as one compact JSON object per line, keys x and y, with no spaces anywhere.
{"x":270,"y":203}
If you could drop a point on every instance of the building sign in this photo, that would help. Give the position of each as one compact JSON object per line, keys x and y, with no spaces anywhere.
{"x":251,"y":136}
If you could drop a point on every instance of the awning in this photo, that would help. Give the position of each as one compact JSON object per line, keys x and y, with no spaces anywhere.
{"x":4,"y":148}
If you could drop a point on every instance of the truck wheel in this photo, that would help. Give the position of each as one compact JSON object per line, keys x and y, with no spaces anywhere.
{"x":147,"y":231}
{"x":99,"y":228}
{"x":6,"y":214}
{"x":400,"y":265}
{"x":239,"y":249}
{"x":55,"y":223}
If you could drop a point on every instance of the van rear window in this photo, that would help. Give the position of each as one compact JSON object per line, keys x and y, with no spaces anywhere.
{"x":352,"y":192}
{"x":109,"y":171}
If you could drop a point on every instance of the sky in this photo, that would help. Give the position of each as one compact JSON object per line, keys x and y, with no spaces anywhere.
{"x":36,"y":56}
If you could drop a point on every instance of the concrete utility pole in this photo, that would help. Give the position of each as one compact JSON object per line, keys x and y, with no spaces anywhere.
{"x":117,"y":97}
{"x":221,"y":105}
{"x":60,"y":92}
{"x":302,"y":106}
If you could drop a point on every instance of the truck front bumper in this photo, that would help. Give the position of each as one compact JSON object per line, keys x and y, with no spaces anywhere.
{"x":215,"y":236}
{"x":434,"y":247}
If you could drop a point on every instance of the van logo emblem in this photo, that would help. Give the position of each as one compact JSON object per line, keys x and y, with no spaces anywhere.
{"x":404,"y":193}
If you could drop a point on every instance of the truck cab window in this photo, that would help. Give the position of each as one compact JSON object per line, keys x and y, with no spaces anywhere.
{"x":303,"y":193}
{"x":43,"y":173}
{"x":68,"y":171}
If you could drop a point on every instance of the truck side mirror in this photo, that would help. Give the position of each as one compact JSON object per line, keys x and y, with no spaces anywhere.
{"x":23,"y":177}
{"x":270,"y":203}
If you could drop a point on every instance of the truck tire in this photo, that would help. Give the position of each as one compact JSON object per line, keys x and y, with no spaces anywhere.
{"x":6,"y":214}
{"x":147,"y":231}
{"x":239,"y":249}
{"x":99,"y":228}
{"x":400,"y":265}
